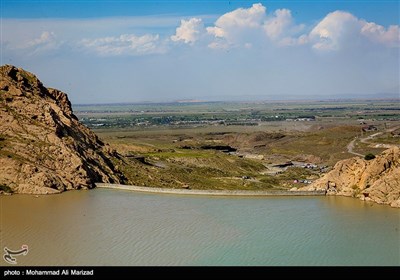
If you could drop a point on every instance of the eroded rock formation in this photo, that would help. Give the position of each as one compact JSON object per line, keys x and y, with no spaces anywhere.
{"x":43,"y":146}
{"x":375,"y":180}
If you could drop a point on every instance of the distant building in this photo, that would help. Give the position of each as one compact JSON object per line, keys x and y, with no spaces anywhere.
{"x":395,"y":133}
{"x":369,"y":128}
{"x":302,"y":119}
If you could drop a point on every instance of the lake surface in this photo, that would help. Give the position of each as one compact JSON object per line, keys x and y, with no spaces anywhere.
{"x":113,"y":227}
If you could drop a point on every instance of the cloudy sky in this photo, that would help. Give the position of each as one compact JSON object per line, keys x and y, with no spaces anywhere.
{"x":135,"y":51}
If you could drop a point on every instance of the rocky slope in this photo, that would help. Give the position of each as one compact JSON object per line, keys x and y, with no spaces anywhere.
{"x":43,"y":147}
{"x":375,"y":180}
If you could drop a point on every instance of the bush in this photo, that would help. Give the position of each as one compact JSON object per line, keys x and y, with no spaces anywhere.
{"x":5,"y":188}
{"x":369,"y":156}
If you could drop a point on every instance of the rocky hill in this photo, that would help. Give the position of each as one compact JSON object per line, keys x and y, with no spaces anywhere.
{"x":375,"y":180}
{"x":43,"y":147}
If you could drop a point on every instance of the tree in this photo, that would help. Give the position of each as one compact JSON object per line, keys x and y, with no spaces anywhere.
{"x":369,"y":156}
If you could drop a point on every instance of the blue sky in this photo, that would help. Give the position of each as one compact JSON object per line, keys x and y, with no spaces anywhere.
{"x":134,"y":51}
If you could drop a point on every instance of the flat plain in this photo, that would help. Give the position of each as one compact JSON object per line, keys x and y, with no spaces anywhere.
{"x":241,"y":145}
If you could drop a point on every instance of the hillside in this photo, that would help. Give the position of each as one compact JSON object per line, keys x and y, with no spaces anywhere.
{"x":43,"y":147}
{"x":375,"y":180}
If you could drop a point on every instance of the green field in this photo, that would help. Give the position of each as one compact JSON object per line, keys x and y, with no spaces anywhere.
{"x":162,"y":144}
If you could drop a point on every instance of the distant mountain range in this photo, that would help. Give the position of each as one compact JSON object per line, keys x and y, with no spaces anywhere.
{"x":263,"y":98}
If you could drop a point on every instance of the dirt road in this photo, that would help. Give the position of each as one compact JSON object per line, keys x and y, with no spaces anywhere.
{"x":350,"y":146}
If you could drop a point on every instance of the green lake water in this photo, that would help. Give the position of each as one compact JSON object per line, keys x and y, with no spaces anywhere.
{"x":112,"y":227}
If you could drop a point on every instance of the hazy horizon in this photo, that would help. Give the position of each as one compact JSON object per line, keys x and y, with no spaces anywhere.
{"x":252,"y":99}
{"x":163,"y":51}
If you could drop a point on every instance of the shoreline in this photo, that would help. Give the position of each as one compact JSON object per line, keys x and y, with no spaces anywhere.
{"x":209,"y":192}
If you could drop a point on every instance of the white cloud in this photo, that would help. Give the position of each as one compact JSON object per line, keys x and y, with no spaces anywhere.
{"x":292,"y":41}
{"x":216,"y":31}
{"x":248,"y":28}
{"x":281,"y":28}
{"x":378,"y":34}
{"x":234,"y":25}
{"x":341,"y":29}
{"x":275,"y":26}
{"x":126,"y":44}
{"x":45,"y":38}
{"x":332,"y":31}
{"x":45,"y":42}
{"x":251,"y":17}
{"x":189,"y":31}
{"x":244,"y":27}
{"x":259,"y":65}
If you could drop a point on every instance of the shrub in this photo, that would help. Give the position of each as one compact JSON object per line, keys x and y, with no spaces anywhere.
{"x":369,"y":156}
{"x":5,"y":188}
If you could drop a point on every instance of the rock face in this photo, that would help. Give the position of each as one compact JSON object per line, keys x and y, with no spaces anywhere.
{"x":43,"y":146}
{"x":375,"y":180}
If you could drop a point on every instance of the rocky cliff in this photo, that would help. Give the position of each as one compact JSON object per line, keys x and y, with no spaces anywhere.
{"x":375,"y":180}
{"x":43,"y":147}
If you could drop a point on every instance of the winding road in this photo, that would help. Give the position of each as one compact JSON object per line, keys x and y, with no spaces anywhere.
{"x":350,"y":146}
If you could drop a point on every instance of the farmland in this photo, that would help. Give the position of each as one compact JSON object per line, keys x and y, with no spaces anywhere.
{"x":222,"y":145}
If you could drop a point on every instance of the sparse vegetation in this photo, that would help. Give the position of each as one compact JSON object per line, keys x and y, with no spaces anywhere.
{"x":369,"y":156}
{"x":5,"y":188}
{"x":170,"y":137}
{"x":270,"y":180}
{"x":30,"y":78}
{"x":356,"y":190}
{"x":294,"y":173}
